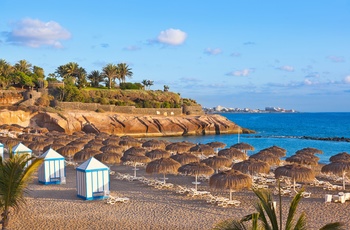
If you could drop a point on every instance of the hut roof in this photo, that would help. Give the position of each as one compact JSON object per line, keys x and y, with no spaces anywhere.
{"x":21,"y":148}
{"x":91,"y":165}
{"x":51,"y":154}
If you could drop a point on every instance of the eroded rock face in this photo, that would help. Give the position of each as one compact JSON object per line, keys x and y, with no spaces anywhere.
{"x":123,"y":124}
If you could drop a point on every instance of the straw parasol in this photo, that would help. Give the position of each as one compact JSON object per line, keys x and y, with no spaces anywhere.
{"x":233,"y":154}
{"x":231,"y":179}
{"x":112,"y":149}
{"x":196,"y":169}
{"x":185,"y":158}
{"x":216,"y":145}
{"x":129,"y":142}
{"x":343,"y":156}
{"x":252,"y":166}
{"x":280,"y":152}
{"x":135,"y":150}
{"x":309,"y":150}
{"x":178,"y":147}
{"x":163,"y":166}
{"x":216,"y":162}
{"x":85,"y":154}
{"x":135,"y":158}
{"x":338,"y":168}
{"x":68,"y":151}
{"x":202,"y":149}
{"x":108,"y":158}
{"x":38,"y":147}
{"x":267,"y":157}
{"x":53,"y":146}
{"x":297,"y":172}
{"x":243,"y":146}
{"x":96,"y":145}
{"x":303,"y":159}
{"x":112,"y":141}
{"x":157,"y":154}
{"x":154,"y":144}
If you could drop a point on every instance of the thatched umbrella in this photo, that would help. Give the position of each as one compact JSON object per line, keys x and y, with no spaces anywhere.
{"x":216,"y":162}
{"x":135,"y":150}
{"x":297,"y":172}
{"x":267,"y":157}
{"x":54,"y":146}
{"x":338,"y":168}
{"x":252,"y":166}
{"x":343,"y":156}
{"x":11,"y":142}
{"x":68,"y":151}
{"x":157,"y":154}
{"x":163,"y":166}
{"x":202,"y":149}
{"x":233,"y":154}
{"x":309,"y":150}
{"x":79,"y":143}
{"x":129,"y":142}
{"x":178,"y":147}
{"x":303,"y":159}
{"x":96,"y":145}
{"x":62,"y":141}
{"x":275,"y":151}
{"x":108,"y":158}
{"x":112,"y":149}
{"x":85,"y":154}
{"x":38,"y":147}
{"x":196,"y":169}
{"x":154,"y":144}
{"x":231,"y":179}
{"x":216,"y":145}
{"x":185,"y":158}
{"x":135,"y":158}
{"x":243,"y":146}
{"x":112,"y":141}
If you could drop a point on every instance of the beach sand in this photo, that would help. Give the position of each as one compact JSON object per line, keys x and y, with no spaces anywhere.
{"x":58,"y":207}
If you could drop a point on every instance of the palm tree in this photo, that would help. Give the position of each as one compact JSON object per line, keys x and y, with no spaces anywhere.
{"x":23,"y":66}
{"x":111,"y":72}
{"x":14,"y":178}
{"x":5,"y":71}
{"x":123,"y":71}
{"x":266,"y":219}
{"x":95,"y":78}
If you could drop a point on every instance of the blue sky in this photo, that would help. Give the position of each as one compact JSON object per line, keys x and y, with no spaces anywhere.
{"x":245,"y":54}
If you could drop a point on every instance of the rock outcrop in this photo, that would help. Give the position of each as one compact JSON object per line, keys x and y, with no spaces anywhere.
{"x":123,"y":124}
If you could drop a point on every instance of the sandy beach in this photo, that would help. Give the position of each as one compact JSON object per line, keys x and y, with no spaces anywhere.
{"x":58,"y":207}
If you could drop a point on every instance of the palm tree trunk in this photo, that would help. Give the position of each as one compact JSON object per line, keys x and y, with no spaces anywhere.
{"x":5,"y":219}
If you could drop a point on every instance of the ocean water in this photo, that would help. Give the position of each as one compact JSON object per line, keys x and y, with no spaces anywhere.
{"x":285,"y":130}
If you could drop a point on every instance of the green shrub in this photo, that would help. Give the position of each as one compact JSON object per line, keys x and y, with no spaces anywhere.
{"x":99,"y":110}
{"x":129,"y":85}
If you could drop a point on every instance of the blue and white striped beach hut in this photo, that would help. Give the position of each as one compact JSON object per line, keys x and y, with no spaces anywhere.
{"x":52,"y":171}
{"x":2,"y":150}
{"x":92,"y":180}
{"x":22,"y":149}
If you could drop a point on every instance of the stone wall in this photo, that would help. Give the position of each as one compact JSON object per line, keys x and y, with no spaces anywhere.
{"x":193,"y":110}
{"x":118,"y":109}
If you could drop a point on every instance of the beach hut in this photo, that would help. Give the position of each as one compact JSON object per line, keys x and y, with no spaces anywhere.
{"x":2,"y":150}
{"x":52,"y":171}
{"x":92,"y":180}
{"x":22,"y":149}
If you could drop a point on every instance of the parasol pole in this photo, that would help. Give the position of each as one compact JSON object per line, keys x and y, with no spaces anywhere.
{"x":164,"y":178}
{"x":231,"y":194}
{"x":344,"y":179}
{"x":196,"y":182}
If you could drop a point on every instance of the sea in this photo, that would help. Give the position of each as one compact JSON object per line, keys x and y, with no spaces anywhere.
{"x":291,"y":131}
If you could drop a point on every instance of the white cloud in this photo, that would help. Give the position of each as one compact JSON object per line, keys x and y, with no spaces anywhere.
{"x":287,"y":68}
{"x":211,"y":51}
{"x":132,"y":48}
{"x":308,"y":82}
{"x":172,"y":37}
{"x":336,"y":59}
{"x":35,"y":33}
{"x":240,"y":73}
{"x":346,"y":79}
{"x":235,"y":54}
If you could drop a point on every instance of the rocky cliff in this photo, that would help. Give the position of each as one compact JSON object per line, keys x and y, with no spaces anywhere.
{"x":122,"y":124}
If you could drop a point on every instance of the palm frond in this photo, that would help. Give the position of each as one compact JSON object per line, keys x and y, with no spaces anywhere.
{"x":333,"y":226}
{"x":266,"y":206}
{"x":292,"y":209}
{"x":301,"y":223}
{"x":230,"y":225}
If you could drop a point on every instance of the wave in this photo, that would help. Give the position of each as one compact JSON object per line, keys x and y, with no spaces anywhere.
{"x":336,"y":139}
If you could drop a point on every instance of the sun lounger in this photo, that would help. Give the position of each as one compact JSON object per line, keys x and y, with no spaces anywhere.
{"x":306,"y":194}
{"x":113,"y":200}
{"x":229,"y":202}
{"x":182,"y":190}
{"x":194,"y":192}
{"x":328,"y":198}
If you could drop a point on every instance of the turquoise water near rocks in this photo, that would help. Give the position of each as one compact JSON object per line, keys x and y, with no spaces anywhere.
{"x":285,"y":130}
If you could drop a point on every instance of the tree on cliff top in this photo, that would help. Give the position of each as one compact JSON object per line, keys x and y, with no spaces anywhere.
{"x":123,"y":71}
{"x":111,"y":72}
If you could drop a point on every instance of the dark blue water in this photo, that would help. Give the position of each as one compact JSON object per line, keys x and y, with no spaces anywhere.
{"x":285,"y":130}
